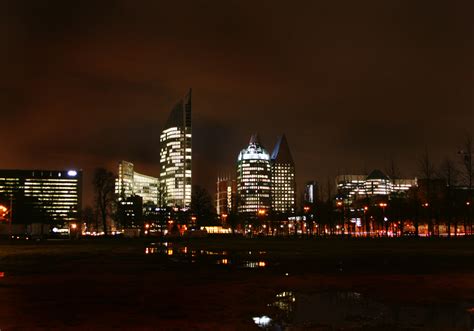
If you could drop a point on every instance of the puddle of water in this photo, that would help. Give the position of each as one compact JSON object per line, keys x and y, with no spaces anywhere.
{"x":354,"y":311}
{"x":254,"y":264}
{"x":247,"y":260}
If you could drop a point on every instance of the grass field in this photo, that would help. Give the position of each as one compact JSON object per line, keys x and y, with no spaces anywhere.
{"x":113,"y":284}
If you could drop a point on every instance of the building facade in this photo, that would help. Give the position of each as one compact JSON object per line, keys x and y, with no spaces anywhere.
{"x":53,"y":195}
{"x":354,"y":187}
{"x":176,"y":155}
{"x":311,"y":193}
{"x":283,"y":183}
{"x":131,"y":183}
{"x":253,"y":178}
{"x":226,"y":195}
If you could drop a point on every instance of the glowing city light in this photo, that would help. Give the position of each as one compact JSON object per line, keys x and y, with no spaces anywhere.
{"x":72,"y":173}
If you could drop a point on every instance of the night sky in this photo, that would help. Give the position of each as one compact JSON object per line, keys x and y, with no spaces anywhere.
{"x":352,"y":84}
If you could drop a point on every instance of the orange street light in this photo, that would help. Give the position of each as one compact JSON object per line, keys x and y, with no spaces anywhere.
{"x":383,"y":204}
{"x":306,"y":209}
{"x":426,"y":204}
{"x":366,"y":208}
{"x":339,"y":203}
{"x":261,"y":212}
{"x":74,"y":226}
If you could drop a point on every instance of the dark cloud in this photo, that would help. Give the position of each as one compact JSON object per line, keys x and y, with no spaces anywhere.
{"x":352,"y":84}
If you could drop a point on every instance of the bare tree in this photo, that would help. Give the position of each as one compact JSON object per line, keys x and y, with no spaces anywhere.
{"x":392,"y":170}
{"x":449,"y":173}
{"x":427,"y":172}
{"x":202,"y":206}
{"x":426,"y":166}
{"x":88,"y":217}
{"x":468,"y":173}
{"x":466,"y":155}
{"x":104,"y":187}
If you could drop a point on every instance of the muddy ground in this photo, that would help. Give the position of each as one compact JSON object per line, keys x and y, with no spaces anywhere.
{"x":114,"y":285}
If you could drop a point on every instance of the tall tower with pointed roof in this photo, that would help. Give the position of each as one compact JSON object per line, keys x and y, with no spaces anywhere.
{"x":283,"y":178}
{"x":176,"y":155}
{"x":253,"y":178}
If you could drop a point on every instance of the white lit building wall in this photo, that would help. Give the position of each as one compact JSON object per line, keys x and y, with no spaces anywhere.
{"x":175,"y":160}
{"x":130,"y":183}
{"x":225,"y":195}
{"x":124,"y":182}
{"x":378,"y":186}
{"x":349,"y":186}
{"x":146,"y":187}
{"x":254,"y":179}
{"x":283,"y":188}
{"x":403,"y":185}
{"x":353,"y":187}
{"x":58,"y":193}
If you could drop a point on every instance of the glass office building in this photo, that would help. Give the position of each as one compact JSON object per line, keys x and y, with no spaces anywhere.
{"x":57,"y":194}
{"x":225,"y":195}
{"x":253,"y":178}
{"x":283,"y":188}
{"x":354,"y":187}
{"x":131,"y":183}
{"x":176,"y":155}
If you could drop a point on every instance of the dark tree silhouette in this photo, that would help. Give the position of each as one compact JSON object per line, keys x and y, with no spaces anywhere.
{"x":468,"y":174}
{"x":449,"y":173}
{"x":89,"y":217}
{"x":427,"y":172}
{"x":104,"y":185}
{"x":202,"y":206}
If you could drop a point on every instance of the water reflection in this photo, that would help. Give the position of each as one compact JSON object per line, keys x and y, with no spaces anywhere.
{"x":285,"y":301}
{"x":177,"y":253}
{"x":263,"y":321}
{"x":354,"y":311}
{"x":254,"y":265}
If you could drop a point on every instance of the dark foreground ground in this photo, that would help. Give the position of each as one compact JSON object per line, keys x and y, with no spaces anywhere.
{"x":114,"y":285}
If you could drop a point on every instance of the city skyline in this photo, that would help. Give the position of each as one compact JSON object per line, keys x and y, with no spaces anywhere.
{"x":352,"y":88}
{"x":161,"y":160}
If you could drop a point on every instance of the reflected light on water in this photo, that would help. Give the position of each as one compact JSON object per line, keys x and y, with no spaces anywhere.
{"x":185,"y":254}
{"x":262,"y":321}
{"x":285,"y":301}
{"x":151,"y":250}
{"x":223,"y":261}
{"x":252,"y":264}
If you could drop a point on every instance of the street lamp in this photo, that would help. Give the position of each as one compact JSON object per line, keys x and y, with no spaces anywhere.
{"x":383,"y":205}
{"x":367,"y":227}
{"x":306,"y":210}
{"x":261,"y":213}
{"x":340,"y":204}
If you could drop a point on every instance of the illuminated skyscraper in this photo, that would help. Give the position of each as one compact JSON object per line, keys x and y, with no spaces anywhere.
{"x":253,"y":178}
{"x":131,"y":183}
{"x":176,"y":155}
{"x":283,"y":178}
